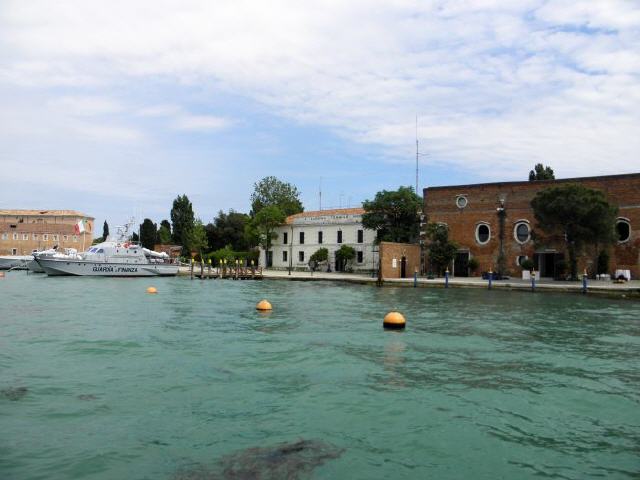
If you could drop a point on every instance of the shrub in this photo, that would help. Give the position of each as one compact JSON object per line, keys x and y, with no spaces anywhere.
{"x":527,"y":264}
{"x":320,"y":255}
{"x":473,"y":264}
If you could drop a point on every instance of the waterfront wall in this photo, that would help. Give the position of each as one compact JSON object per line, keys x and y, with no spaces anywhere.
{"x":394,"y":255}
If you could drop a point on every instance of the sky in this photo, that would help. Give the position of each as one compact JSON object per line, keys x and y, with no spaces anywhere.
{"x":115,"y":107}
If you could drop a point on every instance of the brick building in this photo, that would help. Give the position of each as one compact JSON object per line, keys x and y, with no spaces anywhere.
{"x":23,"y":231}
{"x":399,"y":260}
{"x":471,"y":214}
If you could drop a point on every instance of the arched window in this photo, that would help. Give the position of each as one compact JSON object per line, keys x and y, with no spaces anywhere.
{"x":522,"y":232}
{"x":483,"y":233}
{"x":623,"y":229}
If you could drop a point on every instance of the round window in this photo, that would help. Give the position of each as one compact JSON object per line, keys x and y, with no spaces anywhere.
{"x":483,"y":233}
{"x":623,"y":230}
{"x":461,"y":201}
{"x":522,"y":232}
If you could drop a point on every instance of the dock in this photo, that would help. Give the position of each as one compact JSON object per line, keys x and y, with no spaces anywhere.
{"x":207,"y":271}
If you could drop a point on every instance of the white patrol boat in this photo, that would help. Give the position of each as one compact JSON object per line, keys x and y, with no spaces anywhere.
{"x":112,"y":258}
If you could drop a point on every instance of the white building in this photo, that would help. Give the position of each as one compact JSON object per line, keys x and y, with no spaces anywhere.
{"x":304,"y":233}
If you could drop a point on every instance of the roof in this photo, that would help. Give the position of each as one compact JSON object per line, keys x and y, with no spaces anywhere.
{"x":323,"y":213}
{"x":55,"y":213}
{"x":538,"y":182}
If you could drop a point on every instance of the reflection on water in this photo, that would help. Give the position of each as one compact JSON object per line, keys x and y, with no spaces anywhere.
{"x":99,"y":380}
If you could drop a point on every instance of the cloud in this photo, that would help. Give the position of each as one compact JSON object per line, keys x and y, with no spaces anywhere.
{"x":498,"y":85}
{"x":200,"y":122}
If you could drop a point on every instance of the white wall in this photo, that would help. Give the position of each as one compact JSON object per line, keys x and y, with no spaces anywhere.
{"x":329,"y":225}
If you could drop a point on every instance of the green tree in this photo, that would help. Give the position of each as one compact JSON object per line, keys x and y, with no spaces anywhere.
{"x":576,"y":214}
{"x":261,"y":228}
{"x":272,"y":192}
{"x":344,"y":256}
{"x":182,"y":221}
{"x":198,"y":238}
{"x":395,"y":215}
{"x":540,"y":172}
{"x":164,"y":233}
{"x":105,"y":231}
{"x":441,"y":250}
{"x":320,"y":255}
{"x":228,"y":229}
{"x":148,"y":233}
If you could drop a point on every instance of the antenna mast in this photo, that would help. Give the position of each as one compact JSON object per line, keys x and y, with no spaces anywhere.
{"x":417,"y":155}
{"x":320,"y":193}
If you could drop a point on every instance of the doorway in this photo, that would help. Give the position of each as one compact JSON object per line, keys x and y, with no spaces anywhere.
{"x":269,"y":259}
{"x":546,"y":263}
{"x":461,"y":265}
{"x":403,"y":267}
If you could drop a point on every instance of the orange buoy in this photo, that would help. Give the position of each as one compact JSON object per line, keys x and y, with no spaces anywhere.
{"x":152,"y":290}
{"x":394,"y":320}
{"x":1,"y":274}
{"x":264,"y":306}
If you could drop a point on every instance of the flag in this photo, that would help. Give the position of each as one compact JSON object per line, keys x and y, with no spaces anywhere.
{"x":79,"y":227}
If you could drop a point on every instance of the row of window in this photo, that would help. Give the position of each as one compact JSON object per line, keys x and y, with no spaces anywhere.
{"x":285,"y":256}
{"x":45,"y":237}
{"x":285,"y":237}
{"x":522,"y":231}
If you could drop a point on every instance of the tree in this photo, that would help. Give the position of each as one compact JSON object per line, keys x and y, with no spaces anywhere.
{"x":540,"y":172}
{"x":576,"y":214}
{"x":394,"y":214}
{"x":197,"y":238}
{"x":320,"y":255}
{"x":148,"y":233}
{"x":182,"y":221}
{"x":273,"y":192}
{"x":228,"y":229}
{"x":262,"y":227}
{"x":344,"y":256}
{"x":441,"y":250}
{"x":105,"y":231}
{"x":164,"y":232}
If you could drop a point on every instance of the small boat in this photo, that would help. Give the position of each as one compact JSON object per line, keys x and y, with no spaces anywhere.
{"x":112,"y":258}
{"x":14,"y":262}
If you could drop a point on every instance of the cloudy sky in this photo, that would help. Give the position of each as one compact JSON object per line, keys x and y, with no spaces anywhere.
{"x":115,"y":107}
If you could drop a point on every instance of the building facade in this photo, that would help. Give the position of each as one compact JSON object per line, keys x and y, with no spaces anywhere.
{"x":484,"y":218}
{"x":305,"y":233}
{"x":24,"y":231}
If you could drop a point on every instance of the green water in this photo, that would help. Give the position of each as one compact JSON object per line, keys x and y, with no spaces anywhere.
{"x":482,"y":384}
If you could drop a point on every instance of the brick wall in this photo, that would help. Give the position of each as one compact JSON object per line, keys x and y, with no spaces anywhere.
{"x":391,"y":255}
{"x":483,"y":200}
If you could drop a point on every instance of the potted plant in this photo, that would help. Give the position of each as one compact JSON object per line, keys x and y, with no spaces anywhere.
{"x":473,"y":265}
{"x":527,"y":267}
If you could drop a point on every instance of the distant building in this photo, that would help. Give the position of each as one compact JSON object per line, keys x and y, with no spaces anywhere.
{"x":304,"y":233}
{"x":471,"y":213}
{"x":23,"y":231}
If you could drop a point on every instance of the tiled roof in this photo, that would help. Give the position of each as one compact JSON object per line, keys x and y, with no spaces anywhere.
{"x":57,"y":213}
{"x":322,"y":213}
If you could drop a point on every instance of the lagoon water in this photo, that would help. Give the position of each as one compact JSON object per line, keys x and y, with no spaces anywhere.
{"x":99,"y":380}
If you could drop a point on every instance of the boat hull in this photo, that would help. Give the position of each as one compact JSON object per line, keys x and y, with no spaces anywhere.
{"x":16,"y":262}
{"x":33,"y":266}
{"x":56,"y":267}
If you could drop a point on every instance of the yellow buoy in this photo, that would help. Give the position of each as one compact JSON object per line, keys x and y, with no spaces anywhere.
{"x":152,"y":290}
{"x":264,"y":306}
{"x":394,"y":320}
